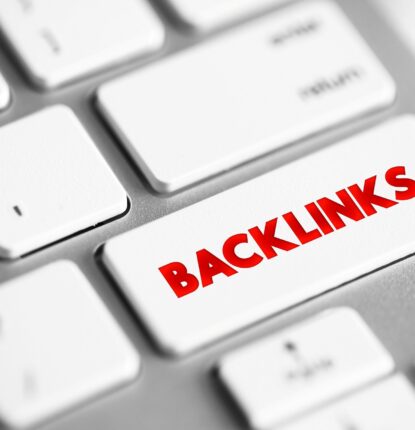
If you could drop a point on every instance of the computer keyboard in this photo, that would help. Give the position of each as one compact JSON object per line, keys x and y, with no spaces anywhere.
{"x":206,"y":214}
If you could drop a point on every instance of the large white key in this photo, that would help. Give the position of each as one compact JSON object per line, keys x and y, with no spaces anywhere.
{"x":389,"y":405}
{"x":5,"y":94}
{"x":205,"y":15}
{"x":273,"y":242}
{"x":58,"y":41}
{"x":53,"y":182}
{"x":278,"y":378}
{"x":268,"y":84}
{"x":59,"y":345}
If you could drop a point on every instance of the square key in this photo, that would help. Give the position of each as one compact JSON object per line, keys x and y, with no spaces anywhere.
{"x":53,"y":182}
{"x":59,"y":345}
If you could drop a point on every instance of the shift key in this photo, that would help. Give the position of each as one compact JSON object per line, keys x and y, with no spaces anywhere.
{"x":271,"y":243}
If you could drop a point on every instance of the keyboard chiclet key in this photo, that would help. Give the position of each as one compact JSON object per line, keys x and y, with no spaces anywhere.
{"x":59,"y":41}
{"x":205,"y":15}
{"x":59,"y":345}
{"x":268,"y":244}
{"x":282,"y":376}
{"x":268,"y":84}
{"x":53,"y":182}
{"x":388,"y":405}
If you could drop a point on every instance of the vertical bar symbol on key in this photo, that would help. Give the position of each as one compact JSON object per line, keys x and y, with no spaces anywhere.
{"x":18,"y":210}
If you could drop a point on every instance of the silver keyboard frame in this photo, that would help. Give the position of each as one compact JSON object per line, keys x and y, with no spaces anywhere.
{"x":184,"y":393}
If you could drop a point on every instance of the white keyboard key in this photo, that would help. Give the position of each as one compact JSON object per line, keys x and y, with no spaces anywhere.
{"x":53,"y":182}
{"x":59,"y":41}
{"x":278,"y":378}
{"x":205,"y":15}
{"x":401,"y":14}
{"x":268,"y":84}
{"x":59,"y":346}
{"x":252,"y":251}
{"x":5,"y":94}
{"x":389,"y":405}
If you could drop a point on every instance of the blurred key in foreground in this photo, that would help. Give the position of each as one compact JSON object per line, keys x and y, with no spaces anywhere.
{"x":282,"y":376}
{"x":59,"y":345}
{"x":388,"y":405}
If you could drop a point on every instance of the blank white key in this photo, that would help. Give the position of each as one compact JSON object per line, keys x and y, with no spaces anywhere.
{"x":282,"y":376}
{"x":58,"y":41}
{"x":237,"y":273}
{"x":268,"y":84}
{"x":207,"y":14}
{"x":53,"y":182}
{"x":5,"y":94}
{"x":59,"y":345}
{"x":389,"y":405}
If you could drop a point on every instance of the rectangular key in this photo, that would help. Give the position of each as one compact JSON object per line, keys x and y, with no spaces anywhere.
{"x":59,"y":41}
{"x":205,"y":15}
{"x":53,"y":182}
{"x":288,"y":374}
{"x":59,"y":345}
{"x":268,"y":84}
{"x":389,"y":405}
{"x":271,"y":243}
